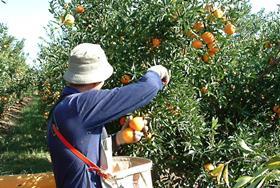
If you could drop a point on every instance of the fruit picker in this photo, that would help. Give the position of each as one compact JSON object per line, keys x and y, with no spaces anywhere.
{"x":76,"y":126}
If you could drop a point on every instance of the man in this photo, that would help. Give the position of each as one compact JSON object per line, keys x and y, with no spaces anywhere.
{"x":84,"y":109}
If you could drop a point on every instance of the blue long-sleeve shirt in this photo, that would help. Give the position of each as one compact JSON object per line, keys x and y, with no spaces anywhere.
{"x":81,"y":116}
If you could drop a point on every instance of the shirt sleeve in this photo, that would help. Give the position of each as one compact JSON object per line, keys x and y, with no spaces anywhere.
{"x":98,"y":107}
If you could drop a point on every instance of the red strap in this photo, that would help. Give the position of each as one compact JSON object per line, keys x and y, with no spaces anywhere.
{"x":92,"y":166}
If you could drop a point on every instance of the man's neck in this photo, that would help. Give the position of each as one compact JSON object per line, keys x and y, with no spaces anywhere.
{"x":86,"y":87}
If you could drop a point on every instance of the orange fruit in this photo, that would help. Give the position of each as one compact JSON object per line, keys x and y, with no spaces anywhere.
{"x":211,"y":54}
{"x":218,"y":13}
{"x":80,"y":9}
{"x":211,"y":45}
{"x":126,"y":78}
{"x":156,"y":42}
{"x":267,"y":44}
{"x":229,"y":29}
{"x":69,"y":20}
{"x":198,"y":26}
{"x":122,"y":120}
{"x":204,"y":90}
{"x":213,"y":50}
{"x":128,"y":135}
{"x":276,"y":109}
{"x":205,"y":58}
{"x":197,"y":44}
{"x":137,"y":123}
{"x":208,"y":167}
{"x":208,"y":37}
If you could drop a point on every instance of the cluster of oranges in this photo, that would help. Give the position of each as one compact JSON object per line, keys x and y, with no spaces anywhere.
{"x":203,"y":37}
{"x":134,"y":124}
{"x":69,"y":19}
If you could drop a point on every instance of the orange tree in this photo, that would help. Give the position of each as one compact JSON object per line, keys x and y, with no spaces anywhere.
{"x":223,"y":95}
{"x":15,"y":75}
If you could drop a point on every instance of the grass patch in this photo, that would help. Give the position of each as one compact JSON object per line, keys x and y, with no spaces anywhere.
{"x":24,"y":149}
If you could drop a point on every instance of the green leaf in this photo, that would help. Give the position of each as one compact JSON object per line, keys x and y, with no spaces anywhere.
{"x":255,"y":182}
{"x":260,"y":172}
{"x":225,"y":175}
{"x":274,"y":165}
{"x":215,"y":124}
{"x":244,"y":145}
{"x":261,"y":183}
{"x":217,"y":172}
{"x":242,"y":181}
{"x":274,"y":175}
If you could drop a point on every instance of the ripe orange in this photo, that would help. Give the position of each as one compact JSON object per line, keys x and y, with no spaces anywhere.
{"x":229,"y":29}
{"x":213,"y":50}
{"x":211,"y":54}
{"x":122,"y":120}
{"x":137,"y":123}
{"x":205,"y":58}
{"x":267,"y":44}
{"x":69,"y":20}
{"x":204,"y":90}
{"x":126,"y":78}
{"x":218,"y":13}
{"x":197,"y":44}
{"x":80,"y":9}
{"x":198,"y":26}
{"x":208,"y":37}
{"x":208,"y":167}
{"x":211,"y":45}
{"x":156,"y":42}
{"x":276,"y":109}
{"x":128,"y":135}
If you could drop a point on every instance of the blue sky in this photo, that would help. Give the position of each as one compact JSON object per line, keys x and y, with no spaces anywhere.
{"x":26,"y":19}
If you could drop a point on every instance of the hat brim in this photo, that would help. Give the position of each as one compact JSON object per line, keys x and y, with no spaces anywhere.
{"x":97,"y":75}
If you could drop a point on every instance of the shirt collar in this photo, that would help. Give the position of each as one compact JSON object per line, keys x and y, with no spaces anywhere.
{"x":69,"y":91}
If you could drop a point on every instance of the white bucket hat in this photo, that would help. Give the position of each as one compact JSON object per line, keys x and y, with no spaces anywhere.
{"x":87,"y":64}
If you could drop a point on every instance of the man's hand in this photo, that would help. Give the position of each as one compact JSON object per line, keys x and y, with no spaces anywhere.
{"x":164,"y":74}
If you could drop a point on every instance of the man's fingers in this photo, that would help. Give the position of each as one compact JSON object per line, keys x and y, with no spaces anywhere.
{"x":145,"y":129}
{"x":137,"y":136}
